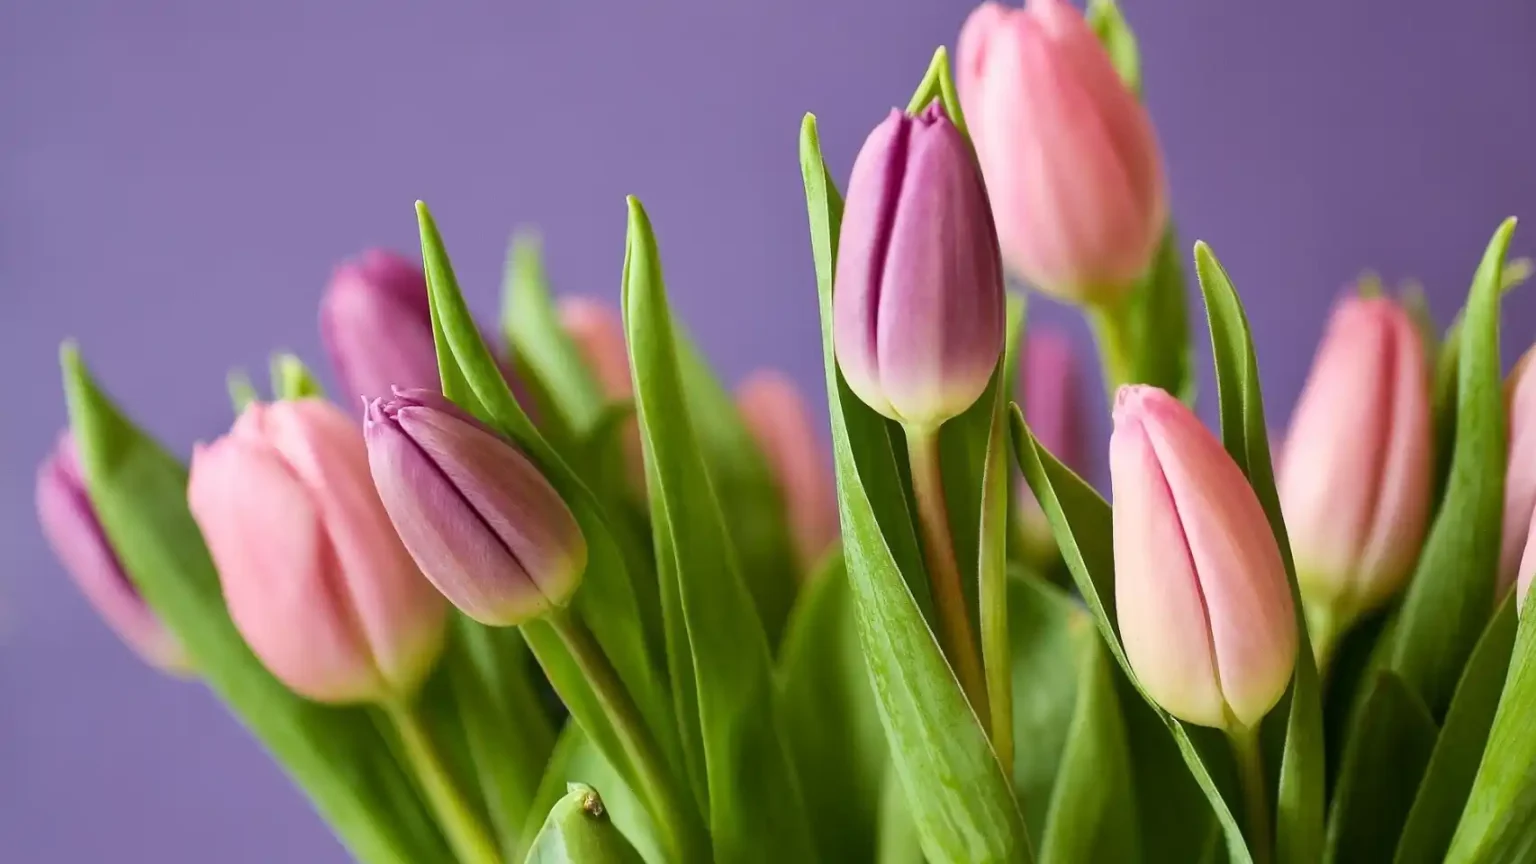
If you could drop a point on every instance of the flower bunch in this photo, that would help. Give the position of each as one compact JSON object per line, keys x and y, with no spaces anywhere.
{"x":560,"y":595}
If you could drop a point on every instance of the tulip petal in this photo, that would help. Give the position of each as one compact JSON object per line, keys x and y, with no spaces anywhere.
{"x":275,"y":564}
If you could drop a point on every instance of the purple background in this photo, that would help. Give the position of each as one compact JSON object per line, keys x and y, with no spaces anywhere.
{"x":176,"y":180}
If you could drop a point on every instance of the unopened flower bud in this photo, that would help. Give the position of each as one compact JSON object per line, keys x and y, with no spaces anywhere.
{"x":1355,"y":483}
{"x":1070,"y":156}
{"x":1052,"y":398}
{"x":70,"y":524}
{"x":480,"y":520}
{"x":918,"y":308}
{"x":376,"y":323}
{"x":779,"y":421}
{"x":314,"y":576}
{"x":1520,"y":479}
{"x":1200,"y":588}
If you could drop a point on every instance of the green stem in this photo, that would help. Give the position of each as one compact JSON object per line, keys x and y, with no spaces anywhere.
{"x":683,"y":836}
{"x":1324,"y":627}
{"x":997,"y":656}
{"x":955,"y":633}
{"x":1117,"y":345}
{"x":1250,"y":771}
{"x":471,"y":843}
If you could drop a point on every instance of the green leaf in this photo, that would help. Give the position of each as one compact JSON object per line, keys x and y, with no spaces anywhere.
{"x":1450,"y":597}
{"x":291,"y":379}
{"x":1081,"y":522}
{"x":958,"y":795}
{"x":1383,"y":763}
{"x":1244,"y":432}
{"x":830,"y":718}
{"x":1051,"y":636}
{"x":507,"y":727}
{"x":1499,"y":822}
{"x":992,"y":574}
{"x":1115,"y":34}
{"x":531,"y":324}
{"x":1159,"y":323}
{"x":1093,"y":810}
{"x":336,"y":755}
{"x":576,"y":760}
{"x":746,"y":490}
{"x":938,"y":83}
{"x":754,"y":808}
{"x":1176,"y":822}
{"x":607,"y":600}
{"x":1453,"y":766}
{"x":241,"y":391}
{"x":899,"y":842}
{"x":578,"y":831}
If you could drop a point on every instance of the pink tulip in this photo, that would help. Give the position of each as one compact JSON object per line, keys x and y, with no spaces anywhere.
{"x":777,"y":417}
{"x":1355,"y":483}
{"x":376,"y":324}
{"x":1070,"y":157}
{"x":1520,"y":480}
{"x":1203,"y":604}
{"x":314,"y":576}
{"x":69,"y":523}
{"x":1050,"y":390}
{"x":599,"y":335}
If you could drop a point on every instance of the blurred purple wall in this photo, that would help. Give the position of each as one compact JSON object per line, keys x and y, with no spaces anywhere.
{"x":177,"y":178}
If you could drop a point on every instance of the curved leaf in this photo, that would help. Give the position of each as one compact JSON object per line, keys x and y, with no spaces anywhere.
{"x":576,"y":759}
{"x":754,"y":808}
{"x":830,"y":718}
{"x":957,"y":793}
{"x":1299,"y":800}
{"x":336,"y":755}
{"x":1453,"y":766}
{"x":1451,"y":595}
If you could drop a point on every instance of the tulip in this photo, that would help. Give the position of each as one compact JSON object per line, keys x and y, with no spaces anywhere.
{"x":480,"y":520}
{"x":918,"y":309}
{"x":1520,"y":479}
{"x":778,"y":419}
{"x":72,"y":528}
{"x":1204,"y":607}
{"x":1069,"y":153}
{"x":598,"y":333}
{"x":314,"y":576}
{"x":1052,"y":400}
{"x":1355,"y":484}
{"x":376,"y":323}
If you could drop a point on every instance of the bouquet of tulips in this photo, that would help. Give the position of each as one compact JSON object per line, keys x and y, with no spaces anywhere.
{"x":558,"y":596}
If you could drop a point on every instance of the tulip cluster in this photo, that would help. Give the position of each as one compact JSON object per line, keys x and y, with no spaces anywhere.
{"x":365,"y":595}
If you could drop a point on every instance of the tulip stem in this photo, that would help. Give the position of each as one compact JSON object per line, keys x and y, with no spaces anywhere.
{"x":1250,"y":771}
{"x":1324,"y":629}
{"x":1117,"y":350}
{"x":683,"y":836}
{"x":955,"y":634}
{"x":471,"y":843}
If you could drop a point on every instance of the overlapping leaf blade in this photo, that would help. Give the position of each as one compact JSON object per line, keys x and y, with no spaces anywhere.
{"x":754,"y":808}
{"x":336,"y":755}
{"x":578,"y":831}
{"x":576,"y":759}
{"x":956,"y":792}
{"x":1299,"y":801}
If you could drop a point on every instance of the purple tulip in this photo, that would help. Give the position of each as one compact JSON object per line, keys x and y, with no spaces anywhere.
{"x":481,"y":521}
{"x":69,"y":522}
{"x":918,"y":310}
{"x":376,"y":323}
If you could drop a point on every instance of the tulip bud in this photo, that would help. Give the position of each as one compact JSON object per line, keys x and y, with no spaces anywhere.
{"x":1355,"y":483}
{"x":918,"y":308}
{"x":314,"y":576}
{"x":1204,"y":607}
{"x":598,"y":333}
{"x":69,"y":522}
{"x":376,"y":323}
{"x":1520,"y":479}
{"x":1052,"y":398}
{"x":480,"y":520}
{"x":1070,"y":156}
{"x":777,"y":418}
